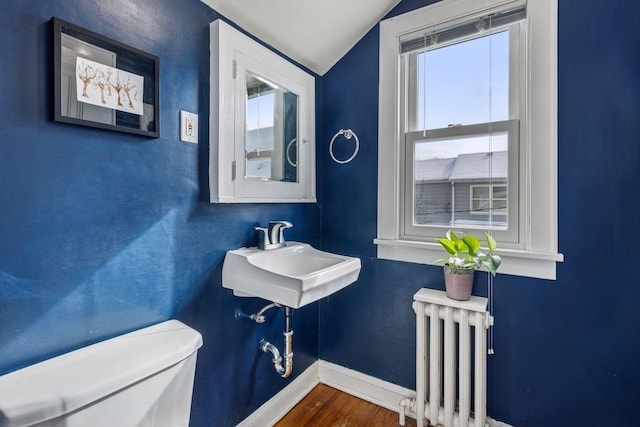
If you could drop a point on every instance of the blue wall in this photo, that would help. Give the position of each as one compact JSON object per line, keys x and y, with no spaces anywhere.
{"x":102,"y":232}
{"x":566,"y":350}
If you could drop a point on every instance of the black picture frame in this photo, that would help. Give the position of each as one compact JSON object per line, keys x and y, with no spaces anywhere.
{"x":119,"y":84}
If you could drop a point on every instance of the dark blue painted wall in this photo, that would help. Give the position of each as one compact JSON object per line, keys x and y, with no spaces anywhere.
{"x":102,"y":232}
{"x":566,"y":350}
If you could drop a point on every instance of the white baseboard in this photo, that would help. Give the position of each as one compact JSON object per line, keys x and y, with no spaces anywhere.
{"x":366,"y":387}
{"x":278,"y":406}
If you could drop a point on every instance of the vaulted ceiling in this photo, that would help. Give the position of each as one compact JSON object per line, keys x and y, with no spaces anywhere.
{"x":314,"y":33}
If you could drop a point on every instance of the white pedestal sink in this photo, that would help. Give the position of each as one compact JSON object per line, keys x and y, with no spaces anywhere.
{"x":292,"y":276}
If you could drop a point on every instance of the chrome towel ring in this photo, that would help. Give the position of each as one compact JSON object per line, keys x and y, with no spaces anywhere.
{"x":348,"y":133}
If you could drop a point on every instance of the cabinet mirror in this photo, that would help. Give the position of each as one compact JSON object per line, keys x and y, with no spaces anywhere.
{"x":271,"y":131}
{"x":262,"y":146}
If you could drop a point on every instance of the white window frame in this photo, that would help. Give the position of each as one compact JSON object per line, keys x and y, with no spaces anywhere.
{"x":538,"y":254}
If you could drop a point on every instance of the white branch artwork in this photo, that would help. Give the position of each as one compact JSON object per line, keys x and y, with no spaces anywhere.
{"x":109,"y":87}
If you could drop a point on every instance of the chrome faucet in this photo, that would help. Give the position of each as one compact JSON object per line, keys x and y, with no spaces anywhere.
{"x":273,"y":237}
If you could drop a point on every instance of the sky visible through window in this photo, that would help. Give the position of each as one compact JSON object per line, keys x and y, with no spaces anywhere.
{"x":260,"y":111}
{"x":466,"y":83}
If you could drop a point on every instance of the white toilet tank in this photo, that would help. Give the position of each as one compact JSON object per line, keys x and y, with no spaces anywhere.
{"x":141,"y":379}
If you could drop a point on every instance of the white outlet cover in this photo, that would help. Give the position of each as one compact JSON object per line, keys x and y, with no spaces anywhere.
{"x":188,"y":127}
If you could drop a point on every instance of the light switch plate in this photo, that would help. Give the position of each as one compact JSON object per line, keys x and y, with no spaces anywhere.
{"x":188,"y":127}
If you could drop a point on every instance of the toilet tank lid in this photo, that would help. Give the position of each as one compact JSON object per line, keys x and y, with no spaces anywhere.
{"x":68,"y":382}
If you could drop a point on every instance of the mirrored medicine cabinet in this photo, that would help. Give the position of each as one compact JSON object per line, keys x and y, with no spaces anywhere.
{"x":262,"y":132}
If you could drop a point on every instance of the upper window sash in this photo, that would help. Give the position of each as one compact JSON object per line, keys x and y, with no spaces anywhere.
{"x":409,"y":64}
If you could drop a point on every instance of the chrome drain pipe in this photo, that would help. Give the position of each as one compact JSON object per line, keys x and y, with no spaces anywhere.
{"x":283,"y":371}
{"x":265,"y":346}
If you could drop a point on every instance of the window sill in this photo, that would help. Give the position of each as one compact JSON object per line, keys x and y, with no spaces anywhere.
{"x":518,"y":263}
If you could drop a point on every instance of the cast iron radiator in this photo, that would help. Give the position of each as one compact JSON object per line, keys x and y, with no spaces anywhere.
{"x":450,"y":386}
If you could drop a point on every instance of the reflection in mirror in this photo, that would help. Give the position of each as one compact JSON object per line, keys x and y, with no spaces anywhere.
{"x":271,"y":149}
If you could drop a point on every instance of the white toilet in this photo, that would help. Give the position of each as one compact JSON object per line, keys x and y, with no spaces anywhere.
{"x":141,"y":379}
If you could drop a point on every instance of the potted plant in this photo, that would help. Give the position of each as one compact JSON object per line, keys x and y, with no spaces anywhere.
{"x":466,"y":256}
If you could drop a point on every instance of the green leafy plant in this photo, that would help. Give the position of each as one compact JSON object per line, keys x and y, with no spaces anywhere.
{"x":467,"y":252}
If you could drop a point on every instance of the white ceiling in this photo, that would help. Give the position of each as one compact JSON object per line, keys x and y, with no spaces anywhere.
{"x":314,"y":33}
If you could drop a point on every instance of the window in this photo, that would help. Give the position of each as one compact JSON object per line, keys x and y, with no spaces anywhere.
{"x":488,"y":200}
{"x":467,"y":131}
{"x":460,"y":97}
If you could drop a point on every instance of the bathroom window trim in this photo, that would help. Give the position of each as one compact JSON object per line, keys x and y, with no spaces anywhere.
{"x":539,"y":254}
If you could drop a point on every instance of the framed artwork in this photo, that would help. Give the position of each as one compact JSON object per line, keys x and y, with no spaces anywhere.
{"x":102,"y":83}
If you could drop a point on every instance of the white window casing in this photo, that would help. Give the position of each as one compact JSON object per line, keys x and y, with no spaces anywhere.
{"x":537,"y":252}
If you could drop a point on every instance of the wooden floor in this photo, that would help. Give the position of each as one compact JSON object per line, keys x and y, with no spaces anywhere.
{"x":325,"y":406}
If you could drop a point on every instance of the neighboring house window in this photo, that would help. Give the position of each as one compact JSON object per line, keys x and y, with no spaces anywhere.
{"x":488,"y":200}
{"x":467,"y":130}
